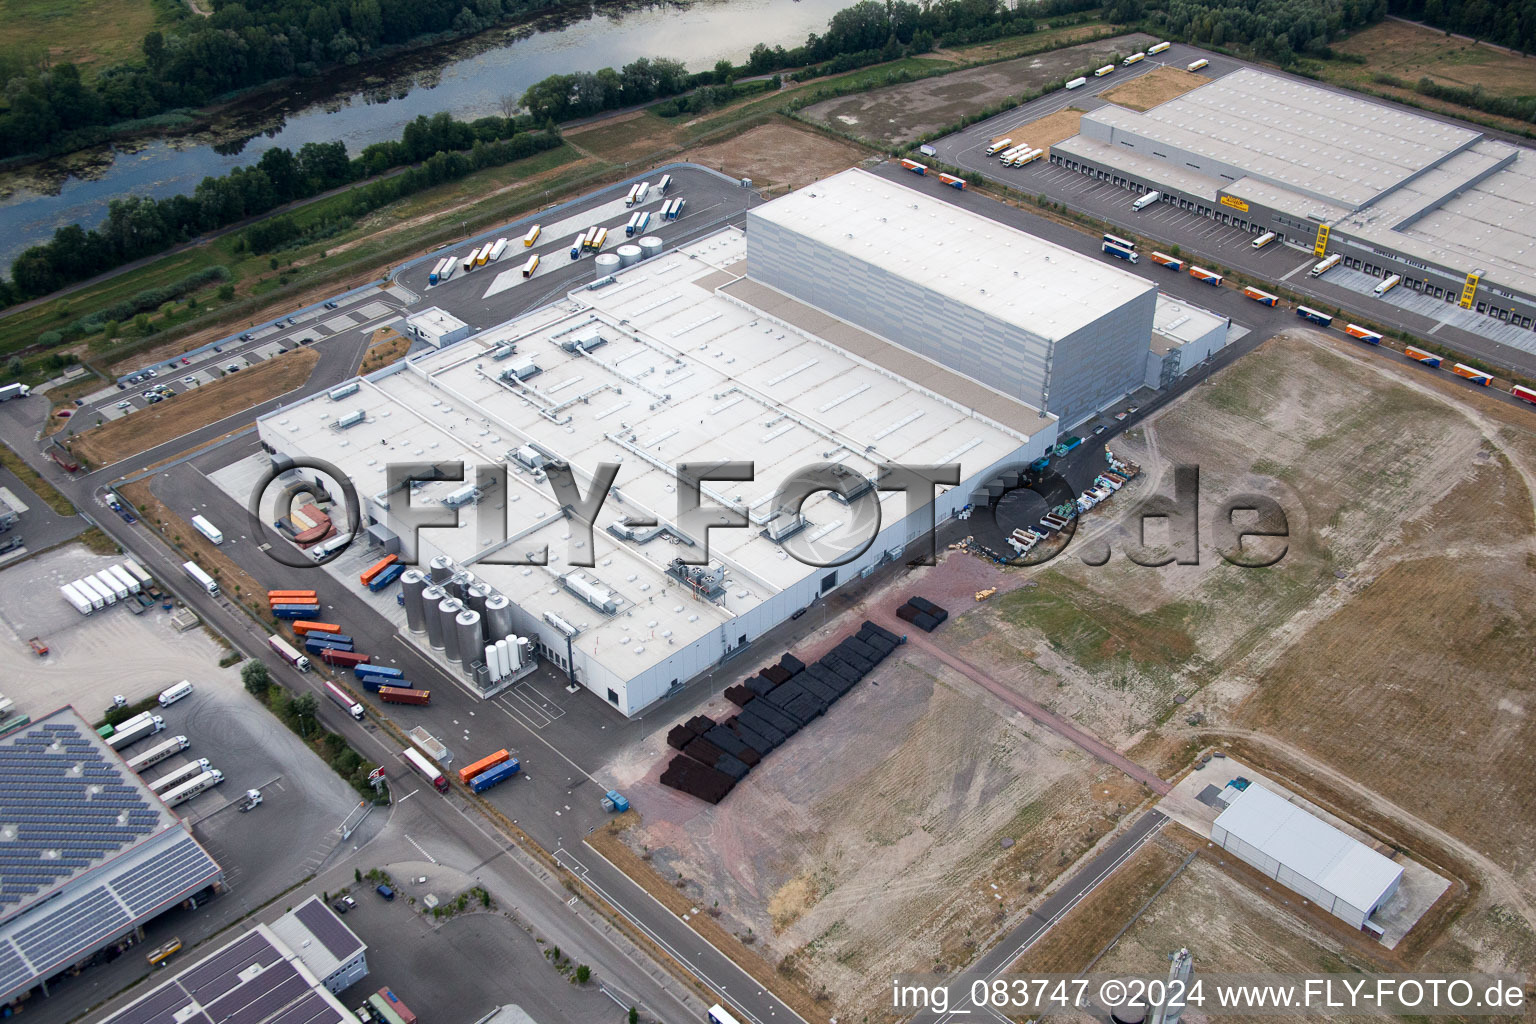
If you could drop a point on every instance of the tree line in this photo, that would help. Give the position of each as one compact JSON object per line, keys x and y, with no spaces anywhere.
{"x":866,"y":33}
{"x":193,"y":60}
{"x":1508,"y":24}
{"x":1277,"y":30}
{"x":136,"y":226}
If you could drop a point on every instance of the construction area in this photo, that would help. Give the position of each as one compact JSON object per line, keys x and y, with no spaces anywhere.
{"x":859,"y":855}
{"x":900,"y":113}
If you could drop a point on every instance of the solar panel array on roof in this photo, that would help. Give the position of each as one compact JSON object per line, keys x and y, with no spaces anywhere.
{"x":327,"y":927}
{"x":98,"y":914}
{"x":63,"y":808}
{"x":220,"y":974}
{"x":261,"y":997}
{"x":13,"y":969}
{"x":312,"y":1009}
{"x":174,"y":871}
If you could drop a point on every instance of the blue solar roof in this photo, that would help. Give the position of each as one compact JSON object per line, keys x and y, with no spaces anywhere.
{"x":64,"y":806}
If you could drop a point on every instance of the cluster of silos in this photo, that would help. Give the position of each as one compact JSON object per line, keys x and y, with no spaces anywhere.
{"x":506,"y":656}
{"x":464,"y":618}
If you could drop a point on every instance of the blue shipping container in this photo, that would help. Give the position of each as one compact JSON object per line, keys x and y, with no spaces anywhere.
{"x":296,"y":611}
{"x":319,"y":645}
{"x":386,"y":577}
{"x":377,"y":670}
{"x":501,"y":773}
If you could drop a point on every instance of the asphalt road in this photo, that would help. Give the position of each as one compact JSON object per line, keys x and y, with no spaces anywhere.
{"x":1197,"y":237}
{"x":1029,"y":931}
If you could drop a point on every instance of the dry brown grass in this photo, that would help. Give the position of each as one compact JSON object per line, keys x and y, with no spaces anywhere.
{"x":779,"y":153}
{"x":626,"y":137}
{"x":1155,"y":87}
{"x":1045,"y":132}
{"x":386,"y":346}
{"x":1093,"y":923}
{"x":1411,"y":52}
{"x":148,"y":428}
{"x":235,"y":582}
{"x":607,"y":841}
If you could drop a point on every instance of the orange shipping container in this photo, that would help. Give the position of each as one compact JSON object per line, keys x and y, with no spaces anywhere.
{"x":304,"y":627}
{"x":485,"y":764}
{"x":291,"y":597}
{"x":376,"y":568}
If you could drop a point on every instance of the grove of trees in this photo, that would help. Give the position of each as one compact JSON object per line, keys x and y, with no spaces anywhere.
{"x":1506,"y":23}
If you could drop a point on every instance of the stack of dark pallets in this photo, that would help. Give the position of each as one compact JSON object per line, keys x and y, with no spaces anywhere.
{"x":775,"y":704}
{"x":922,"y":613}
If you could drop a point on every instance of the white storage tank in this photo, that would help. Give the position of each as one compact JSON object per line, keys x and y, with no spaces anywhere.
{"x":606,"y":263}
{"x":650,"y":246}
{"x":628,"y":254}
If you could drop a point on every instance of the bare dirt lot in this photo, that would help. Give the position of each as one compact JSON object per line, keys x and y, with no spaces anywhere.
{"x":1045,"y":132}
{"x":1398,"y":623}
{"x":902,"y":112}
{"x":874,"y":842}
{"x":779,"y":154}
{"x":147,"y":428}
{"x":1155,"y":87}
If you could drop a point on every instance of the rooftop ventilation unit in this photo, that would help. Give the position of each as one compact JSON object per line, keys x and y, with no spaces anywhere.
{"x":560,"y":624}
{"x":529,"y":457}
{"x":706,"y":582}
{"x":337,"y":394}
{"x":784,"y":525}
{"x":598,"y":597}
{"x":461,"y":496}
{"x":351,"y":419}
{"x":857,"y":485}
{"x":503,"y":351}
{"x":584,"y":341}
{"x":521,"y":371}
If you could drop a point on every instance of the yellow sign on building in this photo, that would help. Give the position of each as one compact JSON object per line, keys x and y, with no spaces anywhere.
{"x":1235,"y":203}
{"x":1320,"y":247}
{"x":1469,"y":290}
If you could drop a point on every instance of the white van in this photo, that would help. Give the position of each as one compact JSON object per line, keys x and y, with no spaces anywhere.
{"x":175,"y":693}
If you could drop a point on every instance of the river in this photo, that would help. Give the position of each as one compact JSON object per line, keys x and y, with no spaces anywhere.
{"x":700,"y":34}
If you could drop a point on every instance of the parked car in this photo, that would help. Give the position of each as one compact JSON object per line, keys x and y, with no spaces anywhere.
{"x":128,"y":517}
{"x":185,"y":361}
{"x":190,"y":381}
{"x":125,"y":404}
{"x":244,"y":337}
{"x":1099,"y":429}
{"x":344,"y":904}
{"x":292,"y":321}
{"x":330,"y":305}
{"x":385,"y":891}
{"x":152,"y":399}
{"x":152,"y":373}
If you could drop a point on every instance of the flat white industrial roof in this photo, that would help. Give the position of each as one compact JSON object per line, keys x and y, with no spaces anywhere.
{"x":1006,"y":273}
{"x":1181,"y":323}
{"x":1309,"y":846}
{"x":1343,"y":148}
{"x":1138,"y":165}
{"x":685,"y":374}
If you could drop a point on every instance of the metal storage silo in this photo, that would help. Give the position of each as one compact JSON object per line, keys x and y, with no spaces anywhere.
{"x":498,"y":616}
{"x":412,"y":583}
{"x":503,"y":656}
{"x":650,"y":246}
{"x":440,"y":569}
{"x":475,"y":596}
{"x":447,"y":614}
{"x":605,"y":264}
{"x":431,"y":597}
{"x":492,"y":663}
{"x":628,"y":254}
{"x":467,"y":622}
{"x":521,"y":651}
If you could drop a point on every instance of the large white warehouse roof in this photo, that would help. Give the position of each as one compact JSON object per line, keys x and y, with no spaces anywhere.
{"x":1309,"y":846}
{"x":1019,"y":278}
{"x":684,"y":373}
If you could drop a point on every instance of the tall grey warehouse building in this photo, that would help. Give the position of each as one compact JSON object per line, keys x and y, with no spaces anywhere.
{"x":1048,"y":326}
{"x":779,"y":347}
{"x":1390,"y":191}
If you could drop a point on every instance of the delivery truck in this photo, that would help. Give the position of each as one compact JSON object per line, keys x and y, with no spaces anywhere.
{"x":143,"y":726}
{"x":344,"y":659}
{"x":157,"y":753}
{"x":426,"y":769}
{"x":1119,"y":252}
{"x":187,"y":790}
{"x":492,"y":776}
{"x":288,"y":653}
{"x":201,"y":578}
{"x":342,"y":699}
{"x":176,"y":776}
{"x":207,"y":529}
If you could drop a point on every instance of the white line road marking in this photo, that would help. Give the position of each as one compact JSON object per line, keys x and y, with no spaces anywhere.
{"x":1297,"y":270}
{"x":424,"y":853}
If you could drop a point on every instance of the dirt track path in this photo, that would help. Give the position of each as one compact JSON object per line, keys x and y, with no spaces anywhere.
{"x":1049,"y":719}
{"x":1498,"y":880}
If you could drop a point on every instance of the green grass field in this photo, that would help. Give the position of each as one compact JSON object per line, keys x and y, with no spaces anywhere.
{"x":91,"y":33}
